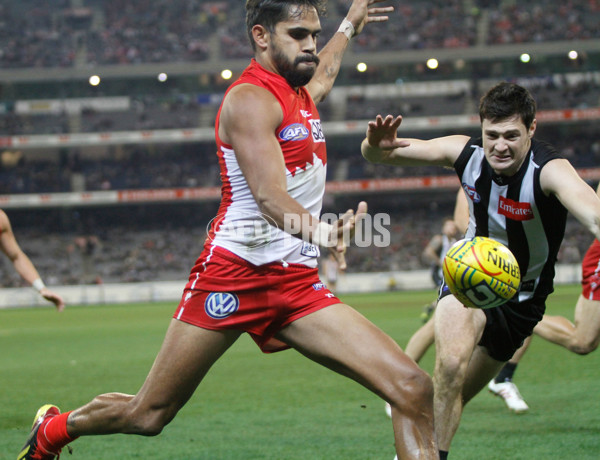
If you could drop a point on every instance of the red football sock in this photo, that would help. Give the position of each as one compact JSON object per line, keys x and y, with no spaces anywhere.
{"x":55,"y":433}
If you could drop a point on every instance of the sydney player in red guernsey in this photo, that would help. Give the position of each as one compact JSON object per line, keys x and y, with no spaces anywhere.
{"x":253,"y":276}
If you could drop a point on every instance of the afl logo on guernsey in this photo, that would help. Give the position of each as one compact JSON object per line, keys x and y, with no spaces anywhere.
{"x":471,"y":193}
{"x":220,"y":305}
{"x":294,"y":132}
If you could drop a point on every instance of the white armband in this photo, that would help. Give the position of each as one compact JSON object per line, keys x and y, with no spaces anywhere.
{"x":321,"y":234}
{"x":347,"y":29}
{"x":38,"y":284}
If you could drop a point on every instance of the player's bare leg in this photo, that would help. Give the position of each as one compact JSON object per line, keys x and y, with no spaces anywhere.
{"x":520,"y":351}
{"x":457,"y":331}
{"x":343,"y":340}
{"x":186,"y":355}
{"x":583,"y":336}
{"x":481,"y":368}
{"x":421,"y":340}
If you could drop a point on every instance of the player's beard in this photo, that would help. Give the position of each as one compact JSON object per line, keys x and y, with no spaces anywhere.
{"x":295,"y":76}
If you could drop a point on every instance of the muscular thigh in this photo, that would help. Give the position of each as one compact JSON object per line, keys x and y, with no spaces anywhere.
{"x":457,"y":328}
{"x":587,"y":317}
{"x":343,"y":340}
{"x":186,"y":355}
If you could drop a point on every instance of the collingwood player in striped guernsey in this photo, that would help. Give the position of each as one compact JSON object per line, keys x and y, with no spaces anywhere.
{"x":519,"y":192}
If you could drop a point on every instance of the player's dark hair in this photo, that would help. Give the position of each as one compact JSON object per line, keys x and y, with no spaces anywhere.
{"x":268,"y":13}
{"x":506,"y":100}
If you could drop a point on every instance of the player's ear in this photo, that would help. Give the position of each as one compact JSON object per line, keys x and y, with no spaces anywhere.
{"x":532,"y":128}
{"x":261,"y":36}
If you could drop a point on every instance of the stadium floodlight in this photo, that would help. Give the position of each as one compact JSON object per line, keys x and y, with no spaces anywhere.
{"x":432,"y":63}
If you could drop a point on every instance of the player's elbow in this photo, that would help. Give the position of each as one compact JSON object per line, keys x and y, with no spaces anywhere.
{"x":269,"y":204}
{"x":369,"y":153}
{"x":266,"y":203}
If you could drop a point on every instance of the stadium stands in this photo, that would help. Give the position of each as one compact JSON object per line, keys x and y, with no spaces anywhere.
{"x":63,"y":33}
{"x":162,"y":242}
{"x":73,"y":245}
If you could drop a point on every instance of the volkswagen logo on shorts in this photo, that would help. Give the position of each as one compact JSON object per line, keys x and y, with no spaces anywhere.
{"x":220,"y":305}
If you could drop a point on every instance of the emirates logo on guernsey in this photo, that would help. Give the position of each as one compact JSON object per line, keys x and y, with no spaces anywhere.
{"x":219,"y":305}
{"x":515,"y":210}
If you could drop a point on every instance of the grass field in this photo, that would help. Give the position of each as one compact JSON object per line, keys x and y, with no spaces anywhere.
{"x":280,"y":406}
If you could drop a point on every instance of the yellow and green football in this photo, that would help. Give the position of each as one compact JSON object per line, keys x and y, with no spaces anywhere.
{"x":481,"y":272}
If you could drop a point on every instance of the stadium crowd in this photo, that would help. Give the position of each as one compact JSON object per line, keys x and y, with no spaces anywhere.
{"x":146,"y":112}
{"x":195,"y":164}
{"x":126,"y":247}
{"x":161,"y":242}
{"x":64,"y":33}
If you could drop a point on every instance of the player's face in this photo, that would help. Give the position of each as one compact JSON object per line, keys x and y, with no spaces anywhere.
{"x":294,"y":47}
{"x":506,"y":144}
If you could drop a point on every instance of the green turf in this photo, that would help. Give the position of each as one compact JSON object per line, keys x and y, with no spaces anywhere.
{"x":280,"y":406}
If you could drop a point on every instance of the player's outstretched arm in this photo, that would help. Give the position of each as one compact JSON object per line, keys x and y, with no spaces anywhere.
{"x":361,"y":12}
{"x":22,"y":264}
{"x":381,"y":145}
{"x":559,"y":178}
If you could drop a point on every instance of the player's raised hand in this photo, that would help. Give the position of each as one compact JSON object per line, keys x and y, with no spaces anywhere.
{"x":362,"y":12}
{"x":382,"y":133}
{"x":382,"y":139}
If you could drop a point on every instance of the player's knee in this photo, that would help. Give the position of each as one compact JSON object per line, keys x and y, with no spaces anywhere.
{"x":584,"y":347}
{"x":449,"y":370}
{"x":413,"y":390}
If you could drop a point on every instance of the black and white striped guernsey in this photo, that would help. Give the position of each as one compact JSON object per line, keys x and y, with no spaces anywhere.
{"x":515,"y":211}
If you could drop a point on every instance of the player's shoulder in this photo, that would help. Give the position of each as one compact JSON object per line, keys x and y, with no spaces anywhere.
{"x":471,"y":142}
{"x":465,"y":146}
{"x":543,"y":152}
{"x":249,"y":94}
{"x":248,"y":102}
{"x":436,"y":240}
{"x":460,"y":141}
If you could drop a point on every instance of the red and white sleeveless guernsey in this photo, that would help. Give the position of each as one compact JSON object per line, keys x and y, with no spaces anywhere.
{"x":239,"y":226}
